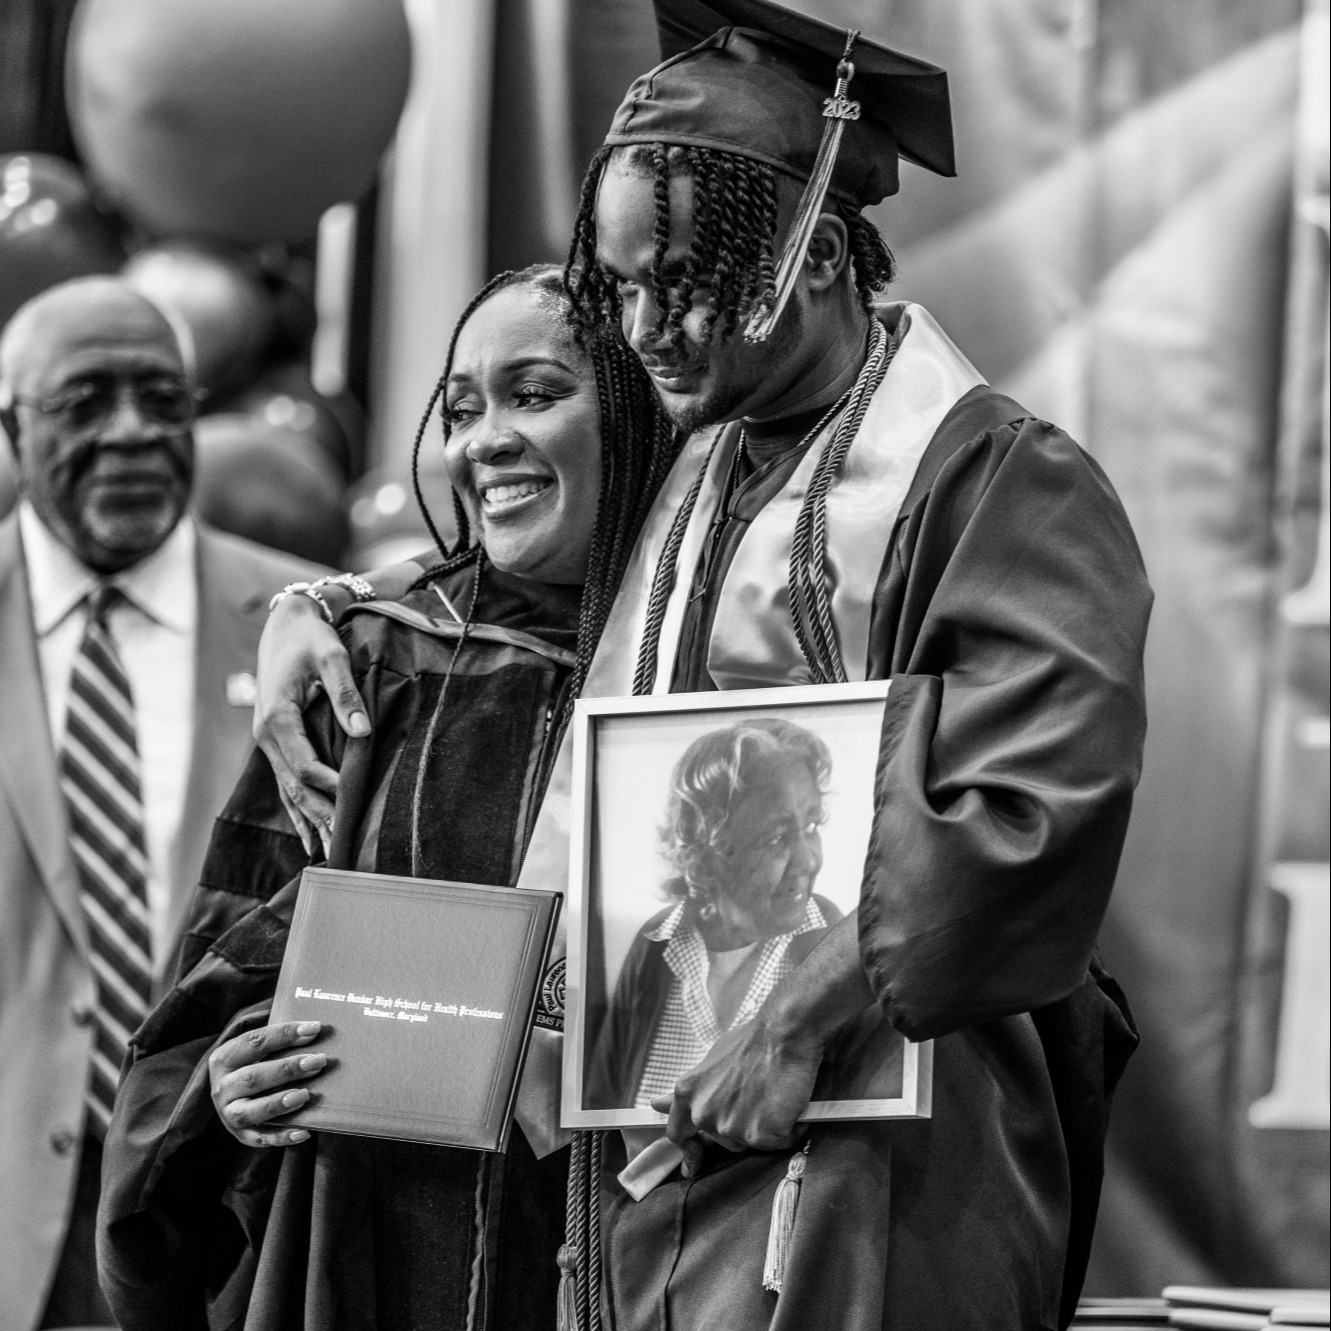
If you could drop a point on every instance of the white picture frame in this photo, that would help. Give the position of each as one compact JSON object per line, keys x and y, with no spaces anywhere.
{"x":625,"y":752}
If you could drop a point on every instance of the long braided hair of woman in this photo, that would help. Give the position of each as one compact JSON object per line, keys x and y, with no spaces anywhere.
{"x":736,"y":202}
{"x":638,"y":446}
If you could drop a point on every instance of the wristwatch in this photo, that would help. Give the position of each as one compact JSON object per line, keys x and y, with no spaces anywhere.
{"x":361,"y":591}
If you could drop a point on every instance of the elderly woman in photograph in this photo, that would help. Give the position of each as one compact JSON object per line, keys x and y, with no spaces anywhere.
{"x":743,"y":840}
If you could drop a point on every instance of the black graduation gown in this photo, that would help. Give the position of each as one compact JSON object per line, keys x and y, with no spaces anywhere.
{"x":1010,"y":615}
{"x":346,"y":1233}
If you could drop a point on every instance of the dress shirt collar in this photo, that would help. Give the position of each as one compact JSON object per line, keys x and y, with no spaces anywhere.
{"x":666,"y":930}
{"x":687,"y":957}
{"x":162,"y":586}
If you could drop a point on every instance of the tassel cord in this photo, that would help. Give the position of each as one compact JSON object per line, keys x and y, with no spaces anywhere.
{"x":594,"y":1256}
{"x":580,"y":1257}
{"x":663,"y":582}
{"x":807,"y":582}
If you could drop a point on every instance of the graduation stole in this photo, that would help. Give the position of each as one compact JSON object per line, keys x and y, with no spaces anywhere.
{"x":755,"y":642}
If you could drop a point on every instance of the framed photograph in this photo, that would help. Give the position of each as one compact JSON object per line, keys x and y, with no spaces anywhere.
{"x":715,"y":839}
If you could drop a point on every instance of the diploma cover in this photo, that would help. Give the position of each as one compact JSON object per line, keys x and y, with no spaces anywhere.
{"x":426,"y":990}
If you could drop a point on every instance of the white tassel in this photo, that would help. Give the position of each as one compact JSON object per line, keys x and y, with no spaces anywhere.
{"x":566,"y":1310}
{"x":782,"y":1229}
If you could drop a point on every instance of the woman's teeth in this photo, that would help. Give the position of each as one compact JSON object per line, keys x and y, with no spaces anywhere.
{"x":504,"y":496}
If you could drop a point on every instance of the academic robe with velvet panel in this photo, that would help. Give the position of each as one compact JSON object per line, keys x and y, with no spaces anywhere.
{"x":349,"y":1233}
{"x":45,"y":977}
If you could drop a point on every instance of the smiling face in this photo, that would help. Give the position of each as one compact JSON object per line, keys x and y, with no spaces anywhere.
{"x":771,"y":853}
{"x":110,"y":484}
{"x":525,"y":447}
{"x":700,"y":380}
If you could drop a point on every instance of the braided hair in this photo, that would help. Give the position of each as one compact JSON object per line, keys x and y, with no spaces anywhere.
{"x":733,"y":249}
{"x":638,"y":446}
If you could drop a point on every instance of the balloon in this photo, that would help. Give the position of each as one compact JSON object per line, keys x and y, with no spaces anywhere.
{"x":270,"y":485}
{"x":386,"y":524}
{"x":283,"y":397}
{"x":236,"y":119}
{"x":229,"y":313}
{"x":49,"y":229}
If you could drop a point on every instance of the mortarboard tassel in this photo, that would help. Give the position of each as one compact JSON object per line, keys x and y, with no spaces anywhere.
{"x":837,"y":109}
{"x":566,"y":1310}
{"x":781,"y":1232}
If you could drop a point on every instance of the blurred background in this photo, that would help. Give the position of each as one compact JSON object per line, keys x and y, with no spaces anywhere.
{"x":1135,"y":247}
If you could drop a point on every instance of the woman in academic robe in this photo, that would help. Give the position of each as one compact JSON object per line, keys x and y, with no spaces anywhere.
{"x":555,"y":449}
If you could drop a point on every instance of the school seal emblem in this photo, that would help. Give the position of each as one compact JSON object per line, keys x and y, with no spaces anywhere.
{"x":550,"y":1007}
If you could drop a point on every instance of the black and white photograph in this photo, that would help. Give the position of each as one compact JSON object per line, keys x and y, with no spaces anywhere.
{"x":824,"y":505}
{"x":720,"y":839}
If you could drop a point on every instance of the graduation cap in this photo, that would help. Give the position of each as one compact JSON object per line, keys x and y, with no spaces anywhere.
{"x":817,"y":102}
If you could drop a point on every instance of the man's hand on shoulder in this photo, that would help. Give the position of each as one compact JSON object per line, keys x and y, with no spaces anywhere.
{"x":299,"y":653}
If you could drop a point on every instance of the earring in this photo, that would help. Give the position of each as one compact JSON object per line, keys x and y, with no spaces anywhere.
{"x":708,"y":911}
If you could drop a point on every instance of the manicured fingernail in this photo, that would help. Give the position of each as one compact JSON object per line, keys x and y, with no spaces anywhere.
{"x":359,"y":724}
{"x":293,"y":1098}
{"x":300,"y":1135}
{"x":308,"y":1028}
{"x":686,"y":1169}
{"x":311,"y":1062}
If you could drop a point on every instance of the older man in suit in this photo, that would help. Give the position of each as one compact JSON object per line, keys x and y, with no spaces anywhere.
{"x":127,"y":636}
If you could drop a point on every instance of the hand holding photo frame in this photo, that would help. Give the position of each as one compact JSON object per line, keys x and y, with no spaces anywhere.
{"x":715,"y":840}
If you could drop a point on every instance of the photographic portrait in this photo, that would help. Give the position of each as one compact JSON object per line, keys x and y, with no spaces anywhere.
{"x":717,"y":839}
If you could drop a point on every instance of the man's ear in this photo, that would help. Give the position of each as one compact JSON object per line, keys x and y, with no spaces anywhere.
{"x":9,"y":419}
{"x":828,"y":254}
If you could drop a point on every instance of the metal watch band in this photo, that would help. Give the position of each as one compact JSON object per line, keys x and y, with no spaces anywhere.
{"x":359,"y":588}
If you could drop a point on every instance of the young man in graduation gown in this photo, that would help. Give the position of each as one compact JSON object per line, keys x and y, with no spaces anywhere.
{"x":869,"y":509}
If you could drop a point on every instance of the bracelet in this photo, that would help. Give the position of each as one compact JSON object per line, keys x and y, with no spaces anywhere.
{"x":361,"y":590}
{"x":310,"y":589}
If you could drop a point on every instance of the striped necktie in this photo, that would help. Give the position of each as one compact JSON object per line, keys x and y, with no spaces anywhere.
{"x":99,"y":775}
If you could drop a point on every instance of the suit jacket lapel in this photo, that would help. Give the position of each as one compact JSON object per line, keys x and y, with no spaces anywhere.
{"x":230,"y":619}
{"x":27,"y":759}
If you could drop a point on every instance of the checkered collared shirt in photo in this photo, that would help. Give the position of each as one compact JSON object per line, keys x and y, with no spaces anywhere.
{"x":688,"y":1026}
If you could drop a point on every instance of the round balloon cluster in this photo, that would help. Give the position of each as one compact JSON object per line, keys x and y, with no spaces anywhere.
{"x":240,"y":120}
{"x":272,"y":454}
{"x":221,"y":132}
{"x":50,"y":229}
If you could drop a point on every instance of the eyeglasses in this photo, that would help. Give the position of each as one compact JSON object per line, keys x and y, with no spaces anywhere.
{"x":91,"y":404}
